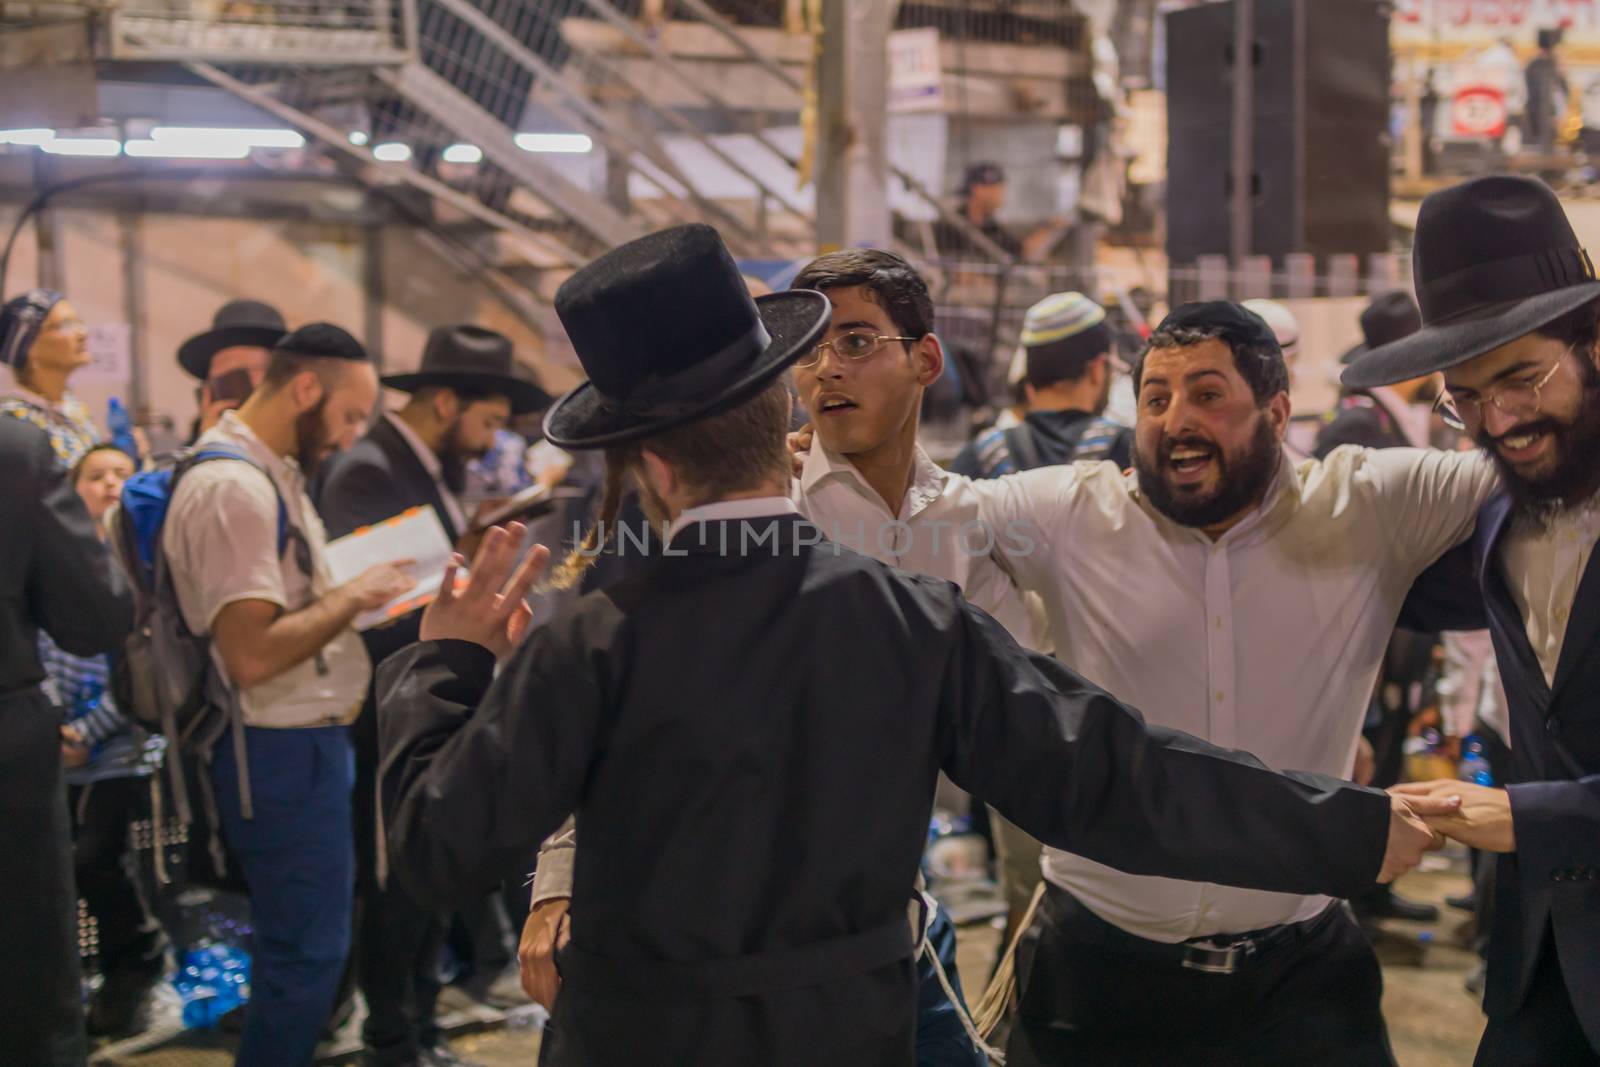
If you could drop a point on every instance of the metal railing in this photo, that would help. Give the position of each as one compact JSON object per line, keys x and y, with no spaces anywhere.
{"x":344,"y":32}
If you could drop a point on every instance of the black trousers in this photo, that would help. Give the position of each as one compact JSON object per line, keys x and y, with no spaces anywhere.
{"x":1545,"y":1030}
{"x":1090,"y":993}
{"x":41,"y":1006}
{"x":131,"y":940}
{"x":397,"y":941}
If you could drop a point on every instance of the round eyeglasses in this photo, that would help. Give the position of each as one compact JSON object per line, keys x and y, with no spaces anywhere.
{"x":854,"y":345}
{"x":1519,"y":398}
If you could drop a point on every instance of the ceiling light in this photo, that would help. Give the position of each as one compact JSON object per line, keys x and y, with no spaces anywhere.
{"x":463,"y":153}
{"x":554,"y":142}
{"x":391,"y":152}
{"x":83,"y":146}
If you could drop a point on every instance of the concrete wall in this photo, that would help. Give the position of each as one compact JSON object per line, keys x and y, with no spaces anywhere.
{"x":190,"y":265}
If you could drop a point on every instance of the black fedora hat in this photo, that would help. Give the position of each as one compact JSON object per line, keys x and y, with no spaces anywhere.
{"x":668,"y":333}
{"x":237,"y":324}
{"x":1389,"y":318}
{"x":1495,"y":259}
{"x":471,"y":357}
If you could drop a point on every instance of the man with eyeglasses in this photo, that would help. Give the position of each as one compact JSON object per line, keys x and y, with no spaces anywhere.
{"x":1509,"y":307}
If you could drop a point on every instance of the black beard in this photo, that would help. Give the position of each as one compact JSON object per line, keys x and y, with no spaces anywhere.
{"x":310,"y":439}
{"x":1242,"y":481}
{"x":1576,"y":477}
{"x":453,"y":459}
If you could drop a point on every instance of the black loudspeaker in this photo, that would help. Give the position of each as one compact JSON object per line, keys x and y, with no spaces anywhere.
{"x":1320,"y":136}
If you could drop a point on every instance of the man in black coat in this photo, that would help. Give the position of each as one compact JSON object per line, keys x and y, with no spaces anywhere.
{"x":55,"y":576}
{"x":750,"y":731}
{"x":1510,"y":311}
{"x":465,"y":390}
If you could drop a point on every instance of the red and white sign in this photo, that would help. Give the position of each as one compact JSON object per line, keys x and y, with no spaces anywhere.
{"x":1479,"y":111}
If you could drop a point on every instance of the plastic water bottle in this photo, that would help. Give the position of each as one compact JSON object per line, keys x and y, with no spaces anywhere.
{"x":1474,"y":766}
{"x":213,"y":981}
{"x":121,"y":425}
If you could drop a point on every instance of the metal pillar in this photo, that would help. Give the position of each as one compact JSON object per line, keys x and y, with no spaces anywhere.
{"x":852,"y":172}
{"x":133,"y":305}
{"x":1244,"y":48}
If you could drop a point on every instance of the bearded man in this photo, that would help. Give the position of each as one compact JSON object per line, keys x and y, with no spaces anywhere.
{"x":464,"y":392}
{"x":1509,"y":312}
{"x":1249,"y":600}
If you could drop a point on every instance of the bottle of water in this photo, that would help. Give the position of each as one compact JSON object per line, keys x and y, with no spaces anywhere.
{"x":214,"y":980}
{"x":1474,"y":766}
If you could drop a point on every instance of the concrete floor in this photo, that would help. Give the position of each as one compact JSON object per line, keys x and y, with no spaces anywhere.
{"x":1433,"y":1021}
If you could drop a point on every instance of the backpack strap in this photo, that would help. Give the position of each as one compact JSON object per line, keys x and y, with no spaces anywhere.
{"x":1020,"y":440}
{"x":214,"y":452}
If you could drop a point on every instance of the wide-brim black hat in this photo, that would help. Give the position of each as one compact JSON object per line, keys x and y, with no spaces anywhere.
{"x":475,"y":359}
{"x":237,"y":324}
{"x":668,"y":333}
{"x":1389,"y":318}
{"x":1495,"y":259}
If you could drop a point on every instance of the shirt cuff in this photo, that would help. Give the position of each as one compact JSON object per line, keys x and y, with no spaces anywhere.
{"x":552,"y":879}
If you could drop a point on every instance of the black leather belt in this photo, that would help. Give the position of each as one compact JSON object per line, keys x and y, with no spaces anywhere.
{"x":740,"y":976}
{"x":1228,"y":953}
{"x":1217,"y":954}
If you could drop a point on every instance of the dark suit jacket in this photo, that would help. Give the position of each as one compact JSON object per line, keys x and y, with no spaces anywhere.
{"x":55,"y":575}
{"x":1553,"y":879}
{"x":750,"y":740}
{"x":376,"y":479}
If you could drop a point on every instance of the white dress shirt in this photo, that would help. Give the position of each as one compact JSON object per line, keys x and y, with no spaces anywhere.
{"x":1543,"y":563}
{"x":435,"y":469}
{"x":757,"y":507}
{"x":936,"y":531}
{"x":1267,"y":640}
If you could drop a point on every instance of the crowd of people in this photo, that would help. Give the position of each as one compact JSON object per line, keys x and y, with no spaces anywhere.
{"x":1179,"y":664}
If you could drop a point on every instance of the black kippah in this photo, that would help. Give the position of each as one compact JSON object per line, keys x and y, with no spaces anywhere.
{"x":1235,"y":324}
{"x":322,"y":340}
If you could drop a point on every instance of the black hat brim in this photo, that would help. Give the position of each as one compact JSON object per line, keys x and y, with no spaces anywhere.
{"x":796,"y":321}
{"x":524,"y":395}
{"x":1443,"y":345}
{"x":194,"y":355}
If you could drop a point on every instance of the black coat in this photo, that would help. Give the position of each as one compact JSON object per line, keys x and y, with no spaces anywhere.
{"x":55,"y":575}
{"x":376,"y":479}
{"x":1553,"y":878}
{"x":750,"y":741}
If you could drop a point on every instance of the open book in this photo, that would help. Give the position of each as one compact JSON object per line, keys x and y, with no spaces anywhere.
{"x":415,"y":534}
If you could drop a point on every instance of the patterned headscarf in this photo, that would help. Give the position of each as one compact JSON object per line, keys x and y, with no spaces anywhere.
{"x":20,"y":321}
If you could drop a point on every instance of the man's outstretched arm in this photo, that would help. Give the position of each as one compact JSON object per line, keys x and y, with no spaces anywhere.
{"x":1082,"y":772}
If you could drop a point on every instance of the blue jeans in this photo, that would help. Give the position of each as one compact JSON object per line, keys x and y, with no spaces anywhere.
{"x":297,"y":856}
{"x":941,"y":1039}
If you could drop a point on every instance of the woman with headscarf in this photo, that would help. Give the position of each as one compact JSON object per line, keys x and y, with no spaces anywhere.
{"x":43,"y":342}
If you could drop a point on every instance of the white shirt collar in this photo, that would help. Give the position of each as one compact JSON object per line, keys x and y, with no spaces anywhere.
{"x":430,"y":462}
{"x":757,"y":507}
{"x":927,"y":478}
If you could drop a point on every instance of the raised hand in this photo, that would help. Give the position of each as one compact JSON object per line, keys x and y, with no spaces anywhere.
{"x":799,"y":445}
{"x":1410,"y":834}
{"x":491,"y":609}
{"x":1482,"y":818}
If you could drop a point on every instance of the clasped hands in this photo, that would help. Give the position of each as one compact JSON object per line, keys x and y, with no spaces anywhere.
{"x":1423,"y":814}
